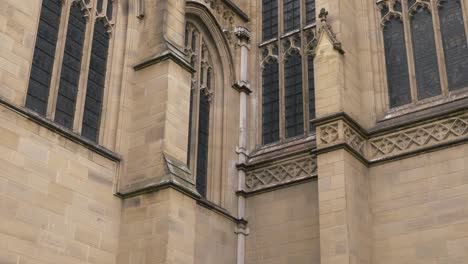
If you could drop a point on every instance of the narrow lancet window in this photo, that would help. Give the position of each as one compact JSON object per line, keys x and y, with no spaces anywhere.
{"x":424,"y":52}
{"x":44,"y":55}
{"x":203,"y":137}
{"x":96,"y":82}
{"x":71,"y":68}
{"x":311,"y":80}
{"x":292,"y":15}
{"x":269,"y":19}
{"x":453,"y":32}
{"x":310,"y":11}
{"x":293,"y":96}
{"x":270,"y":103}
{"x":396,"y":60}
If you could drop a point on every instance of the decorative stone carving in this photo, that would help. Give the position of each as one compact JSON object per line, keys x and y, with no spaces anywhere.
{"x":281,"y":172}
{"x":325,"y":28}
{"x":389,"y":9}
{"x":419,"y":137}
{"x":391,"y":144}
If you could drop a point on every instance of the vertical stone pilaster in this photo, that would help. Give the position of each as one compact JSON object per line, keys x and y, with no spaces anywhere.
{"x":343,"y":187}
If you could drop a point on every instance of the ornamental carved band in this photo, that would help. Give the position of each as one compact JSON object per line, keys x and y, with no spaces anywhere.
{"x":281,"y":172}
{"x":393,"y":144}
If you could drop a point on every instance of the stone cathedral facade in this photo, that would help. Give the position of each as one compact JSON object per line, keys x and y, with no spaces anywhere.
{"x":233,"y":132}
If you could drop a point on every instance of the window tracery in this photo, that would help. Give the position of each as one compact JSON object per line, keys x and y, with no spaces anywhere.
{"x":416,"y":49}
{"x":201,"y":97}
{"x":54,"y":91}
{"x":288,"y":90}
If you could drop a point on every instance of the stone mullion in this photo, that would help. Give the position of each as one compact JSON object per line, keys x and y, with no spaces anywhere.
{"x":409,"y":51}
{"x":281,"y":57}
{"x":59,"y":51}
{"x":439,"y":47}
{"x":81,"y":94}
{"x":305,"y":72}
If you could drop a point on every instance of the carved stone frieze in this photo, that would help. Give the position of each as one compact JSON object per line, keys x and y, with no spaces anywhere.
{"x":419,"y":137}
{"x":377,"y":147}
{"x":280,"y":172}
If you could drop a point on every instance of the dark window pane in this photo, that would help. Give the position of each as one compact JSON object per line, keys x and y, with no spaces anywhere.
{"x":310,"y":11}
{"x":203,"y":137}
{"x":270,"y":103}
{"x":44,"y":54}
{"x":292,"y":15}
{"x":425,"y":56}
{"x":269,"y":19}
{"x":110,"y":9}
{"x":310,"y":62}
{"x":396,"y":63}
{"x":71,"y":68}
{"x":99,"y":6}
{"x":293,"y":96}
{"x":454,"y":40}
{"x":96,"y":83}
{"x":189,"y":147}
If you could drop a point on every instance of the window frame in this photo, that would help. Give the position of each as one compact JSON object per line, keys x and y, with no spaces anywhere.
{"x":273,"y":49}
{"x":416,"y":104}
{"x":89,"y":9}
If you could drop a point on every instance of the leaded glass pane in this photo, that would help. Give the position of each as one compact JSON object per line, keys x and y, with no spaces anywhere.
{"x":110,"y":9}
{"x":425,"y":54}
{"x":202,"y":149}
{"x":189,"y":146}
{"x":293,"y":96}
{"x":292,"y":15}
{"x":269,"y":19}
{"x":44,"y":54}
{"x":311,"y":79}
{"x":452,"y":28}
{"x":99,"y":5}
{"x":310,"y":11}
{"x":396,"y":63}
{"x":96,"y":83}
{"x":71,"y":68}
{"x":270,"y":103}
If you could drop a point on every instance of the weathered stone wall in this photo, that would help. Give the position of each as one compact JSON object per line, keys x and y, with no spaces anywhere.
{"x":56,"y":197}
{"x":18,"y":24}
{"x":420,"y":208}
{"x":284,"y":226}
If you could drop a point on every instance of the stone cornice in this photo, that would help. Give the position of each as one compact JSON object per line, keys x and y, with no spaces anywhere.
{"x":54,"y":127}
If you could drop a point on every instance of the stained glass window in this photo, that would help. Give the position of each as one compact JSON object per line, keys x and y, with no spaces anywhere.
{"x":425,"y":54}
{"x":293,"y":96}
{"x":269,"y":19}
{"x":292,"y":14}
{"x":71,"y":68}
{"x":202,"y":149}
{"x":310,"y":11}
{"x":311,"y":80}
{"x":96,"y":83}
{"x":270,"y":103}
{"x":44,"y":55}
{"x":396,"y":63}
{"x":452,"y":28}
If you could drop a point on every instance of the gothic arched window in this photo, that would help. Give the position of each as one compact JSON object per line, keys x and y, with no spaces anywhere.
{"x":293,"y":100}
{"x":270,"y":103}
{"x":269,"y":19}
{"x":438,"y":59}
{"x":200,"y":105}
{"x":55,"y":93}
{"x":454,"y":41}
{"x":71,"y":67}
{"x":424,"y":52}
{"x":44,"y":56}
{"x":288,"y":89}
{"x":96,"y":82}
